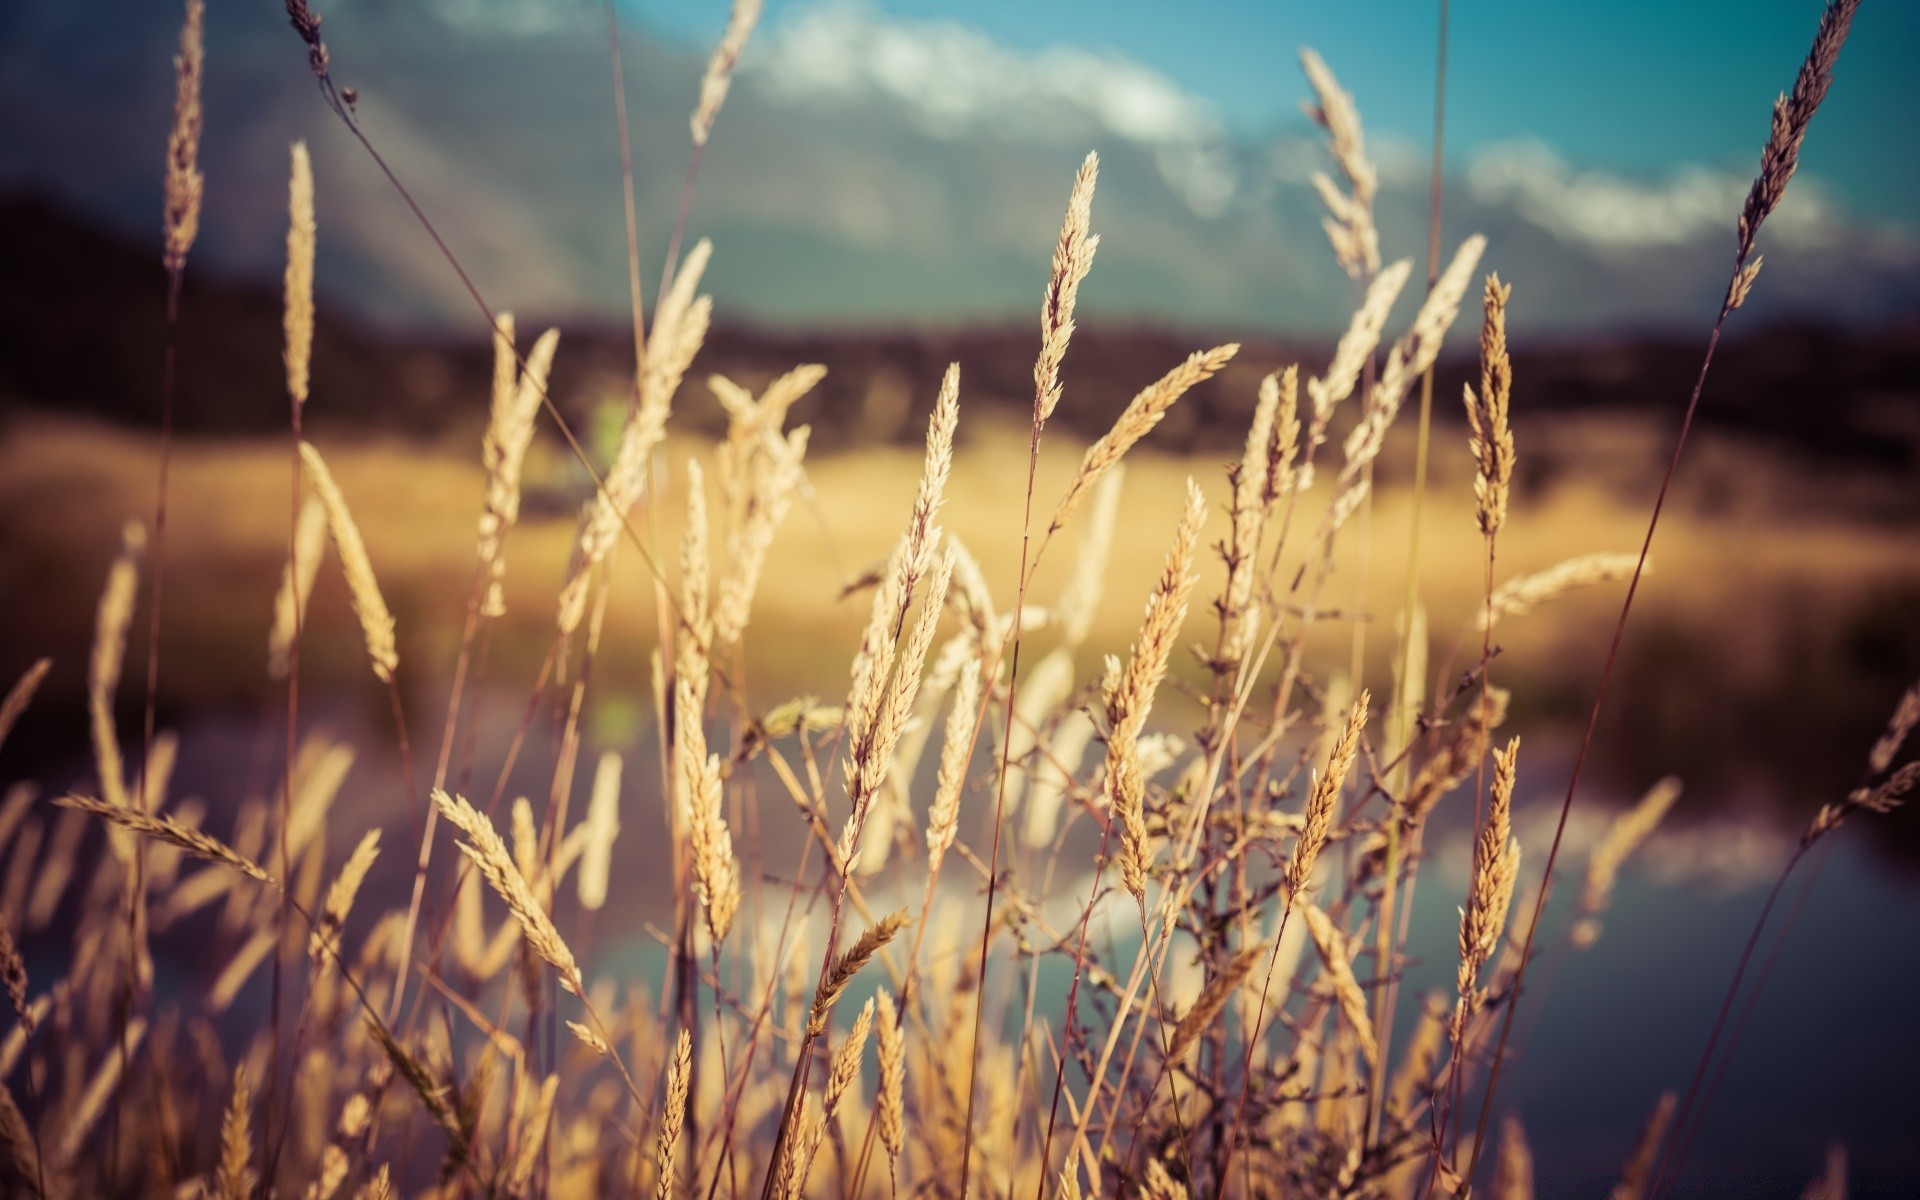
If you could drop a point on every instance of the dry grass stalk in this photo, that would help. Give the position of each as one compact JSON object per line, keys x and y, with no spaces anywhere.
{"x":679,"y":1073}
{"x":1792,"y":113}
{"x":22,"y":1154}
{"x":115,"y":614}
{"x":1080,"y":598}
{"x":376,"y":622}
{"x":1410,"y":357}
{"x":679,"y":330}
{"x":297,"y":318}
{"x":1513,"y":1164}
{"x":602,"y":827}
{"x":184,"y":183}
{"x":431,"y":1093}
{"x":380,"y":1187}
{"x":1142,"y":413}
{"x":943,"y":819}
{"x":719,"y":74}
{"x":891,"y":1050}
{"x":1317,"y":822}
{"x":1212,"y":1001}
{"x":589,"y":1038}
{"x":1906,"y":714}
{"x":296,"y":585}
{"x":693,"y":639}
{"x":1355,"y":349}
{"x":170,"y":831}
{"x":1638,"y":1171}
{"x":234,"y":1180}
{"x":489,"y":853}
{"x":1336,"y":960}
{"x":849,"y":964}
{"x":1491,"y":437}
{"x":503,"y":451}
{"x":1072,"y":257}
{"x":774,"y":485}
{"x":1524,"y":593}
{"x":87,"y":1111}
{"x":13,"y":974}
{"x":18,"y":697}
{"x":1350,"y":229}
{"x":340,"y":897}
{"x":846,"y":1061}
{"x":1128,"y":694}
{"x":1496,"y":866}
{"x":1160,"y":1184}
{"x":1456,"y":756}
{"x":1623,"y":837}
{"x":1418,"y":1059}
{"x":532,"y":1139}
{"x":716,"y":872}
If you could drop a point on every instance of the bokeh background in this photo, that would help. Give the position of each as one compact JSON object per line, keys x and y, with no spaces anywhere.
{"x":883,"y":190}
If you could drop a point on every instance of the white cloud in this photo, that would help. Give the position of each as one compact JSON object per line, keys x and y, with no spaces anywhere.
{"x":1610,"y":211}
{"x":953,"y":80}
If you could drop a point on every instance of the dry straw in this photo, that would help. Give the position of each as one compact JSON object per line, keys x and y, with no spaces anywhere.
{"x":517,"y":395}
{"x":1512,"y":1164}
{"x":184,"y":183}
{"x":1638,"y":1172}
{"x":298,"y":316}
{"x":376,"y":622}
{"x":1072,"y":257}
{"x":13,"y":973}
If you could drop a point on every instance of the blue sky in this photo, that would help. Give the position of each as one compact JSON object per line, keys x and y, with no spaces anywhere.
{"x":1633,"y":86}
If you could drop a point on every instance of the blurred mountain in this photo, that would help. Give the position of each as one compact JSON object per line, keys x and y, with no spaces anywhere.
{"x":866,"y":170}
{"x":82,"y":320}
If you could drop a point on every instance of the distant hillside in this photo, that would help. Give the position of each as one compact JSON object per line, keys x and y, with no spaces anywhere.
{"x":81,"y":325}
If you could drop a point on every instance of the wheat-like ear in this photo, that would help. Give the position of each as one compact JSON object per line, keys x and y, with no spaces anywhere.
{"x":1522,"y":594}
{"x":1492,"y":437}
{"x":1140,"y":416}
{"x":340,"y":897}
{"x":235,"y":1178}
{"x":1513,"y":1165}
{"x":679,"y":1073}
{"x":1072,"y":256}
{"x":719,"y":74}
{"x":21,"y":695}
{"x":1792,"y":113}
{"x":1317,"y":823}
{"x":184,"y":183}
{"x":1638,"y":1171}
{"x":170,"y":831}
{"x":602,"y":827}
{"x":891,"y":1050}
{"x":432,"y":1094}
{"x":1212,"y":1000}
{"x":297,"y":319}
{"x":849,"y":964}
{"x":488,"y":852}
{"x":1336,"y":962}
